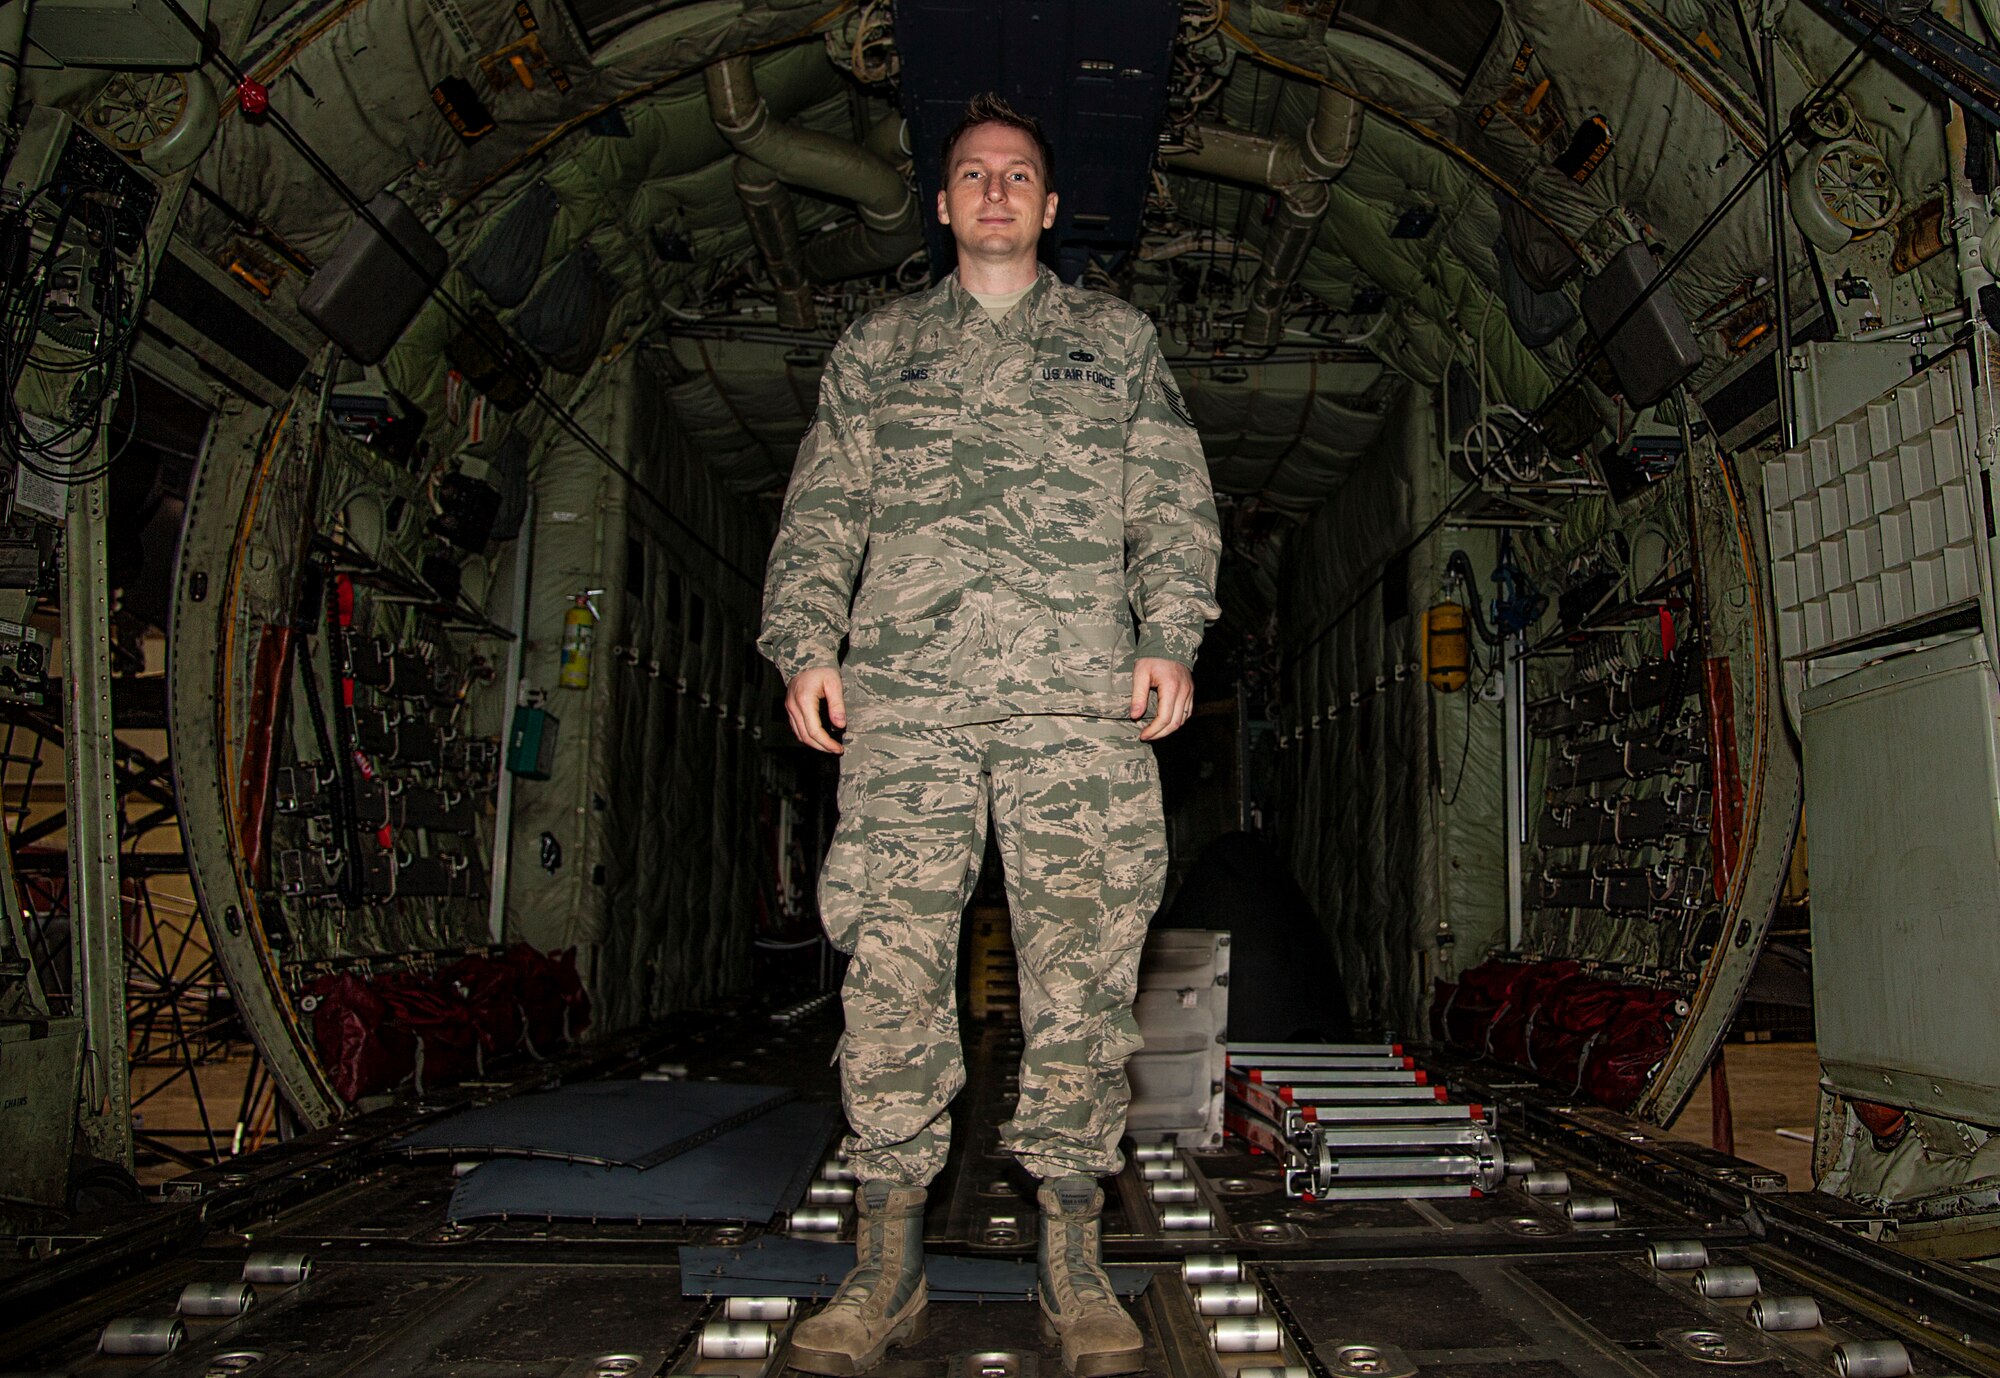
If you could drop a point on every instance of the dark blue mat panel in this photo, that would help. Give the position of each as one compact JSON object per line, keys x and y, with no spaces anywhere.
{"x":811,"y":1268}
{"x":626,"y":1123}
{"x":750,"y":1174}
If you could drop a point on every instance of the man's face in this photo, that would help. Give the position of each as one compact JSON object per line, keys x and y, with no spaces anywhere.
{"x":995,"y":198}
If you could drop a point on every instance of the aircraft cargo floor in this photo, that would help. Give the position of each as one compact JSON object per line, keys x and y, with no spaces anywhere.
{"x":1502,"y":1285}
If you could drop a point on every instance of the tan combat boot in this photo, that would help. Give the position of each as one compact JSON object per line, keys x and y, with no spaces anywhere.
{"x":1077,"y":1298}
{"x":881,"y":1302}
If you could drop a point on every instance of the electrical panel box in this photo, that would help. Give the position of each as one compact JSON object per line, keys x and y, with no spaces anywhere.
{"x":120,"y":33}
{"x":57,"y":161}
{"x":531,"y":744}
{"x":1902,"y":771}
{"x":1654,"y":351}
{"x":1872,"y":521}
{"x":1183,"y":1013}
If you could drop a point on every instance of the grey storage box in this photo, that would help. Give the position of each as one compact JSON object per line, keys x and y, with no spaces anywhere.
{"x":367,"y":293}
{"x":1654,"y":351}
{"x":1183,"y":1013}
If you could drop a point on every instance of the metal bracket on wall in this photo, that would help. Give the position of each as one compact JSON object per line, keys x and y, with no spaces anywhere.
{"x":105,"y":1112}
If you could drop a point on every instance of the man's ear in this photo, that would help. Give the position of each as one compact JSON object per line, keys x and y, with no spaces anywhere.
{"x":1048,"y":211}
{"x":944,"y":215}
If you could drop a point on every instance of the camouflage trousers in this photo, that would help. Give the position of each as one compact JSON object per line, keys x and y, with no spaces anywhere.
{"x":1076,"y":805}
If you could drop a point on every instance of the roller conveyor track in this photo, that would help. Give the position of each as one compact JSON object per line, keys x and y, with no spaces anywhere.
{"x":1502,"y":1284}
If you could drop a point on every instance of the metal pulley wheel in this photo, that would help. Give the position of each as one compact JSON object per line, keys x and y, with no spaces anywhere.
{"x":167,"y":118}
{"x":1831,"y":117}
{"x":1840,"y":190}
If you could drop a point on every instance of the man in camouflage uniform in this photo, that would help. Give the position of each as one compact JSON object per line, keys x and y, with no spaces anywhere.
{"x":1007,"y":466}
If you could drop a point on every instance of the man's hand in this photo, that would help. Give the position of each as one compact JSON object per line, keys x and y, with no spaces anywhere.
{"x":802,"y":703}
{"x":1175,"y":684}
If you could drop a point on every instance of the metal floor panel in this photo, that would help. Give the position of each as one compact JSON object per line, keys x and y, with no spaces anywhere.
{"x":1577,"y":1315}
{"x":1497,"y":1286}
{"x":553,"y":1320}
{"x":625,"y":1123}
{"x":750,"y":1173}
{"x":812,"y":1268}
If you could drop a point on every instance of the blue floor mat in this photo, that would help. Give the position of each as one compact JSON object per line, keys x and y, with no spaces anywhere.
{"x":750,"y":1174}
{"x":812,"y":1268}
{"x":634,"y":1124}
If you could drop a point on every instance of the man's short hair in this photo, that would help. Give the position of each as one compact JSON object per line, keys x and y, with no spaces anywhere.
{"x":989,"y":107}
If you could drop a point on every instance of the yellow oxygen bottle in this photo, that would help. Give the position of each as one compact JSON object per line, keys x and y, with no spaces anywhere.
{"x":1447,"y":648}
{"x":579,"y":631}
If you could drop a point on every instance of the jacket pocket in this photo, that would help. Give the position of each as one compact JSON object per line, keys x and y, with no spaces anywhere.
{"x":897,"y":641}
{"x":1094,"y":647}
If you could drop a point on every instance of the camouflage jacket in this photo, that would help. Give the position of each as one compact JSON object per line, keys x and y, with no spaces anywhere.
{"x":1011,"y":495}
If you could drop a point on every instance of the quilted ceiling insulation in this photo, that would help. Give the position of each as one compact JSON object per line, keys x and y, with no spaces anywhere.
{"x":1402,"y":281}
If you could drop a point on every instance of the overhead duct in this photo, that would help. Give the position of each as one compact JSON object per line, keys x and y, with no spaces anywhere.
{"x":889,"y":230}
{"x":860,"y":248}
{"x":774,"y":225}
{"x":1299,"y":171}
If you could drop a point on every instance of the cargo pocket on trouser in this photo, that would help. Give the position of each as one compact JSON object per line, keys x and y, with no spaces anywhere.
{"x":1134,"y":878}
{"x":1085,"y":848}
{"x":843,"y":876}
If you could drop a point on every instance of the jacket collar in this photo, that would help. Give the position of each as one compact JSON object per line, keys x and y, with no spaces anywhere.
{"x":1044,"y":302}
